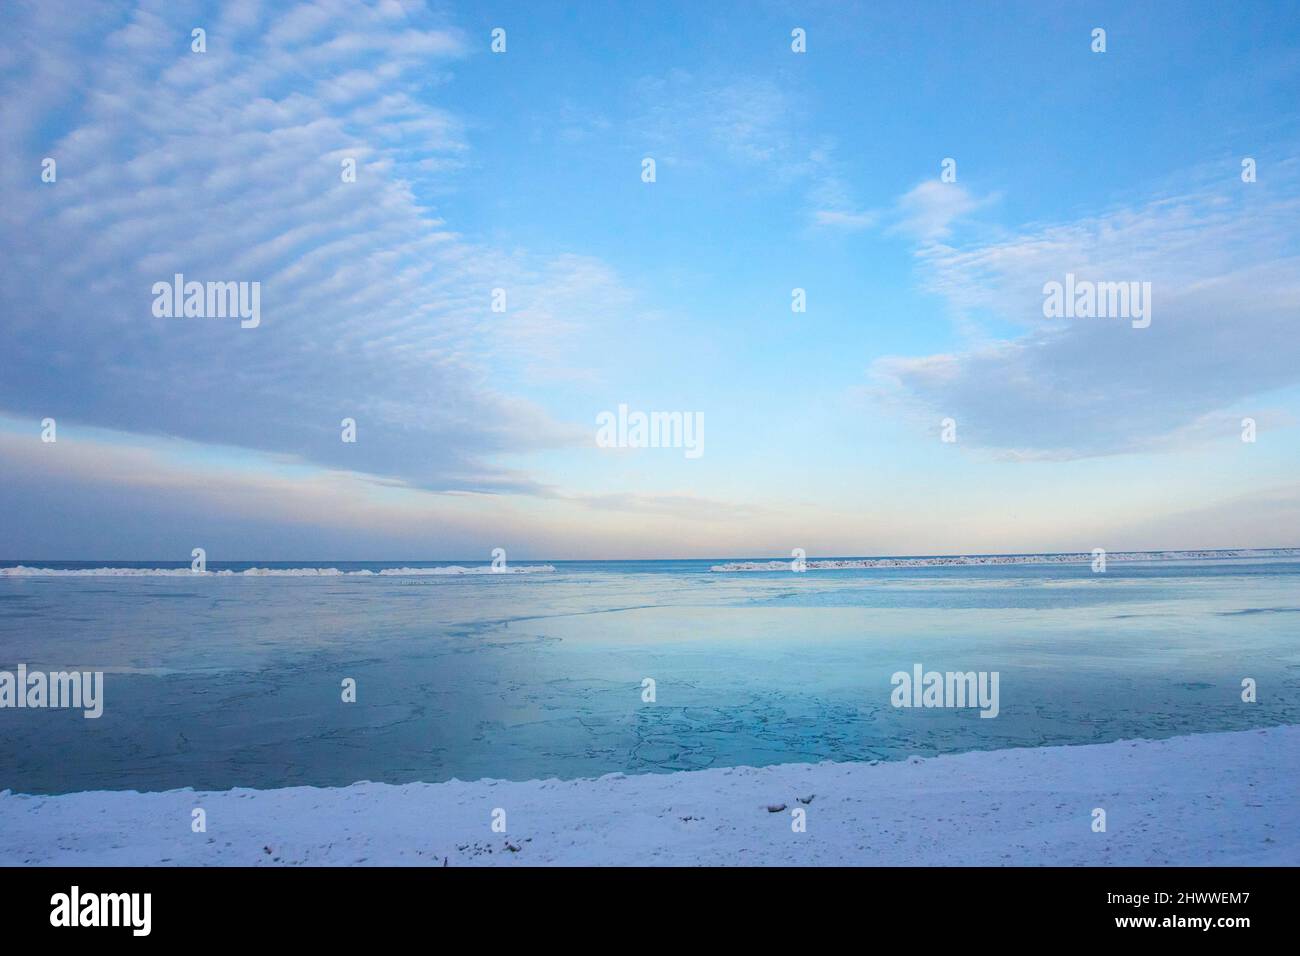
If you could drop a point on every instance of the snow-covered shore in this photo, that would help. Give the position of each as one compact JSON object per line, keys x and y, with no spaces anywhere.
{"x":1224,"y":799}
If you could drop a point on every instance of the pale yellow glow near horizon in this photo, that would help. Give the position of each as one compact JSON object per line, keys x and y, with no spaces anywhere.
{"x":249,"y":486}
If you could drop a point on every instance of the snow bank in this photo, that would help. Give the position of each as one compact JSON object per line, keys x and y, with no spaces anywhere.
{"x":21,"y":571}
{"x":831,"y":564}
{"x":1219,"y":799}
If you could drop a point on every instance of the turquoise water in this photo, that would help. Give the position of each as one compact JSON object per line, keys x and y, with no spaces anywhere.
{"x":222,"y":681}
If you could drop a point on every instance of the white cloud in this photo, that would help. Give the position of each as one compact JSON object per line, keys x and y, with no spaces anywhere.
{"x":226,"y":166}
{"x":848,"y":221}
{"x":758,"y":123}
{"x":929,"y":210}
{"x":1222,"y":263}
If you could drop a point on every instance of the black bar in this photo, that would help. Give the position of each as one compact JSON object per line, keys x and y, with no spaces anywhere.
{"x":305,"y":905}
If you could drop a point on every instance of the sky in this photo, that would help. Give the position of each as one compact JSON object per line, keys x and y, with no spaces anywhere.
{"x":524,"y":171}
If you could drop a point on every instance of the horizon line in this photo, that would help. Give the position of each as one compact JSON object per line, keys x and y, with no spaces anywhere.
{"x":826,"y":557}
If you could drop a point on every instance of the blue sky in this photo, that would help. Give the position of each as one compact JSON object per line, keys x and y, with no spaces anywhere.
{"x":522,"y":171}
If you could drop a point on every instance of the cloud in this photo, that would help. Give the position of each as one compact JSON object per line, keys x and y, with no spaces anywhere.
{"x":226,"y":165}
{"x":1267,"y":517}
{"x":1225,"y":278}
{"x":759,"y":123}
{"x":160,"y":498}
{"x":746,"y":118}
{"x":687,"y":507}
{"x":848,"y":221}
{"x":102,"y":499}
{"x":929,"y":210}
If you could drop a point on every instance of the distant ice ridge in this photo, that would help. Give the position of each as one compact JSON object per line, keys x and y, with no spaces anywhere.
{"x":21,"y":572}
{"x":831,"y":564}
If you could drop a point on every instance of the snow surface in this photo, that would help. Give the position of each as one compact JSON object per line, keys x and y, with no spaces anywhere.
{"x":1223,"y":799}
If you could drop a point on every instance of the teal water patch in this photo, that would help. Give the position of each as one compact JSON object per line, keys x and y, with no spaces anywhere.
{"x":237,"y":681}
